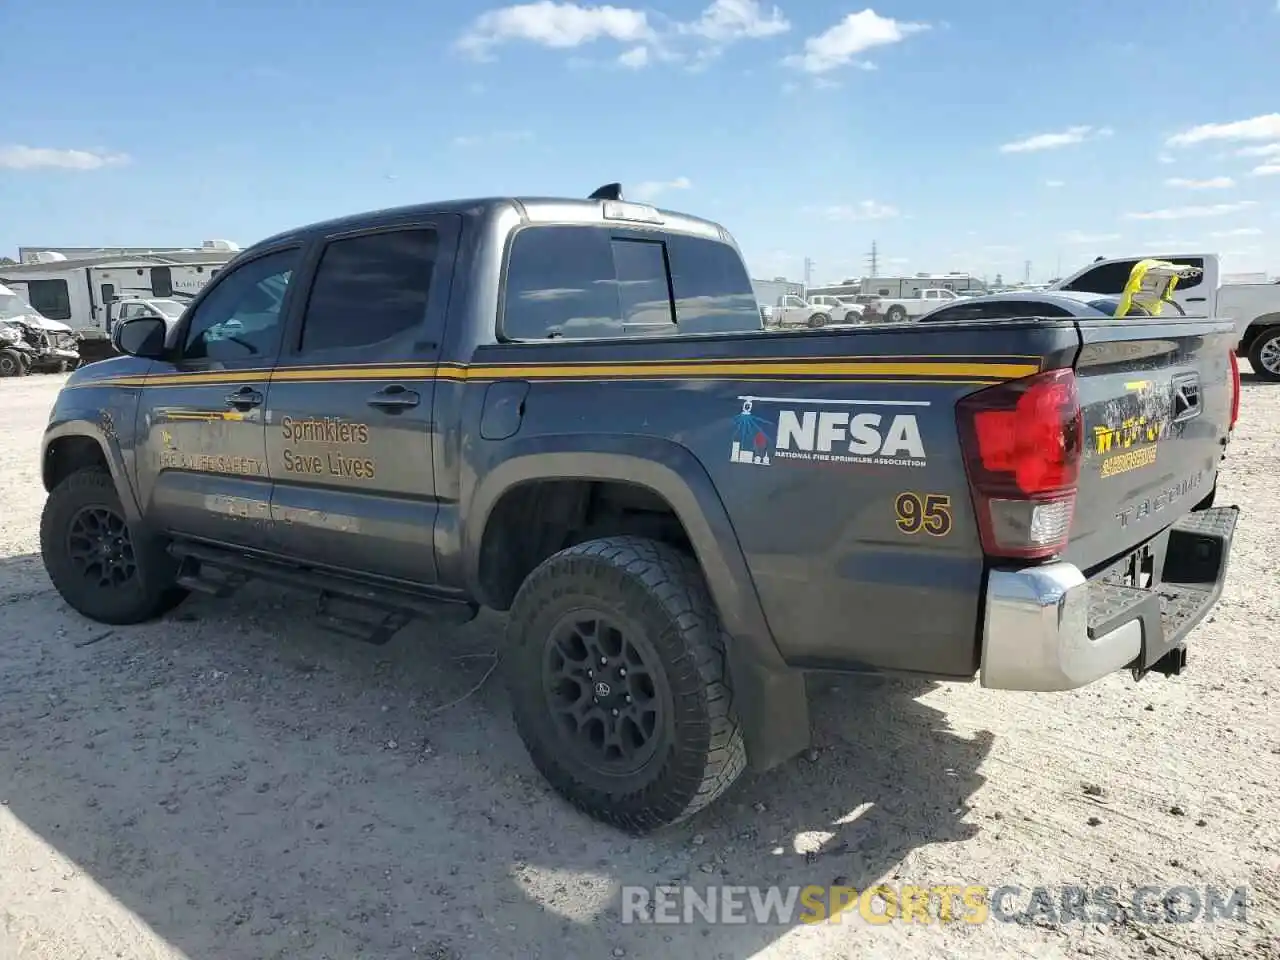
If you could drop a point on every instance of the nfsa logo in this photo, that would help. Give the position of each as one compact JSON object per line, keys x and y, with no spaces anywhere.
{"x":845,"y":434}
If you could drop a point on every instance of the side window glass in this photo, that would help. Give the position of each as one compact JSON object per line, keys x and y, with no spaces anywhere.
{"x":1108,"y":278}
{"x":562,"y":282}
{"x":712,"y":290}
{"x":162,"y":281}
{"x":1191,"y":281}
{"x":643,"y":294}
{"x":370,"y":289}
{"x":51,"y":298}
{"x":240,"y":319}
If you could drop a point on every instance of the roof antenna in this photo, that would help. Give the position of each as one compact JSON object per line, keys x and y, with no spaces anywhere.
{"x":610,"y":191}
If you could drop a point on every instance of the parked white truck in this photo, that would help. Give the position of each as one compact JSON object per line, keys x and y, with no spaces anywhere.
{"x":1255,"y":307}
{"x":900,"y":309}
{"x":796,"y":311}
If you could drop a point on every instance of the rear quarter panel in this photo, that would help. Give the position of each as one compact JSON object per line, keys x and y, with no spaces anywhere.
{"x":835,"y":454}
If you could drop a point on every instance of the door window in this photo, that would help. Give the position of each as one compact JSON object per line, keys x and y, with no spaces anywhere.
{"x":241,"y":319}
{"x":370,"y":289}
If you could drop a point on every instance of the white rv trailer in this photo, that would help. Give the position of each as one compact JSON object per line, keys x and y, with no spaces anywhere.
{"x":80,"y":291}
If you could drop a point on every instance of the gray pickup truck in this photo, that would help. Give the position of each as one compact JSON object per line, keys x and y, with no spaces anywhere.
{"x":569,"y":410}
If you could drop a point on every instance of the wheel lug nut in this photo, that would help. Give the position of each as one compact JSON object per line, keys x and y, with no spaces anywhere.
{"x":604,"y":661}
{"x":615,"y":713}
{"x":591,"y":673}
{"x":628,"y":699}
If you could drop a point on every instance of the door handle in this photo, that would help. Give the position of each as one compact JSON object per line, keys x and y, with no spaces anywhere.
{"x":1196,"y":299}
{"x":394,"y":397}
{"x":244,"y":397}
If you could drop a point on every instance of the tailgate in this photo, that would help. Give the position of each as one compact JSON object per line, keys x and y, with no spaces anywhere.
{"x":1156,"y":397}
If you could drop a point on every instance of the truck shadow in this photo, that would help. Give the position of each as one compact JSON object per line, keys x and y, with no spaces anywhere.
{"x":250,"y":786}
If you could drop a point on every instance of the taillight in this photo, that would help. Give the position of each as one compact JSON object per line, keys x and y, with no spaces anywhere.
{"x":1235,"y":389}
{"x":1022,"y":443}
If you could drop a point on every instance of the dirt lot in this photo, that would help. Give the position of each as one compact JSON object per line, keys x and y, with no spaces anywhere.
{"x":233,"y":782}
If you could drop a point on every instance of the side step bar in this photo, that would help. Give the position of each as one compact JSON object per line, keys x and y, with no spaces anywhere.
{"x":219,"y":572}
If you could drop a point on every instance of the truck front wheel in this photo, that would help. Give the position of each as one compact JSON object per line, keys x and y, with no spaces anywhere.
{"x":96,"y":562}
{"x":615,"y":663}
{"x":1264,"y":354}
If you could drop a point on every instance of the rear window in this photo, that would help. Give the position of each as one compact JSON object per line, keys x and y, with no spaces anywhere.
{"x":589,"y":282}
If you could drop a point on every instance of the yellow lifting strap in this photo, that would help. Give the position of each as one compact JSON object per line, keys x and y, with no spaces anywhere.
{"x":1151,"y":285}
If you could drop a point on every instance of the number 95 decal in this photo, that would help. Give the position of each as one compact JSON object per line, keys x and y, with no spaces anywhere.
{"x":930,"y":513}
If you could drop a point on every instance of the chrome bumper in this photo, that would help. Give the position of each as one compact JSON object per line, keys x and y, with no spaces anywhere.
{"x":1036,"y":632}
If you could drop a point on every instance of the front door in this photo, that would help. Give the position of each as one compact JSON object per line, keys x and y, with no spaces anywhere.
{"x":202,"y":461}
{"x":349,"y":423}
{"x":1110,"y":276}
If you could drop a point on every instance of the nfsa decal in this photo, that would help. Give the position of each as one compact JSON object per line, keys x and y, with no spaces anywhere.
{"x":828,"y":431}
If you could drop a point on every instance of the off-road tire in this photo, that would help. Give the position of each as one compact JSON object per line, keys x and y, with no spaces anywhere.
{"x":896,"y":314}
{"x":662,"y":592}
{"x":1269,"y":336}
{"x":819,"y":320}
{"x":150,"y":593}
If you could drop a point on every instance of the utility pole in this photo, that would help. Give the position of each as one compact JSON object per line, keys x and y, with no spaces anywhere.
{"x":808,"y":274}
{"x":1026,"y":272}
{"x":873,"y":260}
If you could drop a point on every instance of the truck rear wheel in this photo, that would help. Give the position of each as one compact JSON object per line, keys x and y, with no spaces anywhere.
{"x":615,"y":662}
{"x":1264,"y":354}
{"x":96,"y":562}
{"x":896,"y":314}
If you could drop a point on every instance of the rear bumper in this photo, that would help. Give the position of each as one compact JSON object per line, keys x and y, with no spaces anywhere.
{"x":1050,"y":628}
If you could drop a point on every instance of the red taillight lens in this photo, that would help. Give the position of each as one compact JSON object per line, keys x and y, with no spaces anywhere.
{"x":1235,"y":388}
{"x":1022,"y":444}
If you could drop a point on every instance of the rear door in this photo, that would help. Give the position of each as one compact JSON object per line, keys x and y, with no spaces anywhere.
{"x":350,"y":431}
{"x":1156,"y":397}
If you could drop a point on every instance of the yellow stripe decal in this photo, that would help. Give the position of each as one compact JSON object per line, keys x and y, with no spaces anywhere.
{"x":880,"y":369}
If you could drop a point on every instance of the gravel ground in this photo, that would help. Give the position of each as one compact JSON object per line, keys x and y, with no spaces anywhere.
{"x":233,"y":782}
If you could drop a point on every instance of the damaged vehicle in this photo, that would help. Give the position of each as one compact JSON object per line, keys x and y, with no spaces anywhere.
{"x":47,"y":346}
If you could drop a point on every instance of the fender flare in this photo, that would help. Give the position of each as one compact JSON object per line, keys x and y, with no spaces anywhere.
{"x":91,"y":425}
{"x":662,"y":466}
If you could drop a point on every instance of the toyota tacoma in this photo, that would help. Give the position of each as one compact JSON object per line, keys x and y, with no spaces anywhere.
{"x":569,"y":410}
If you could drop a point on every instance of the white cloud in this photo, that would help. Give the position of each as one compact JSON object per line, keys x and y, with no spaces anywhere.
{"x":635,"y":58}
{"x":1213,"y":183}
{"x":725,"y":21}
{"x":1239,"y":232}
{"x":1189,"y":213}
{"x":1265,"y":127}
{"x":1055,"y":183}
{"x":1054,"y":141}
{"x":502,"y":136}
{"x":1263,"y":150}
{"x":568,"y":25}
{"x":557,"y":25}
{"x":862,"y":210}
{"x":855,"y":34}
{"x":652,"y":189}
{"x":1267,"y":170}
{"x":1166,"y":158}
{"x":1076,"y":236}
{"x":47,"y":158}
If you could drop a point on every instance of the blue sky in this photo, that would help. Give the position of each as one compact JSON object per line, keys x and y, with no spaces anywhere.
{"x":958,"y":136}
